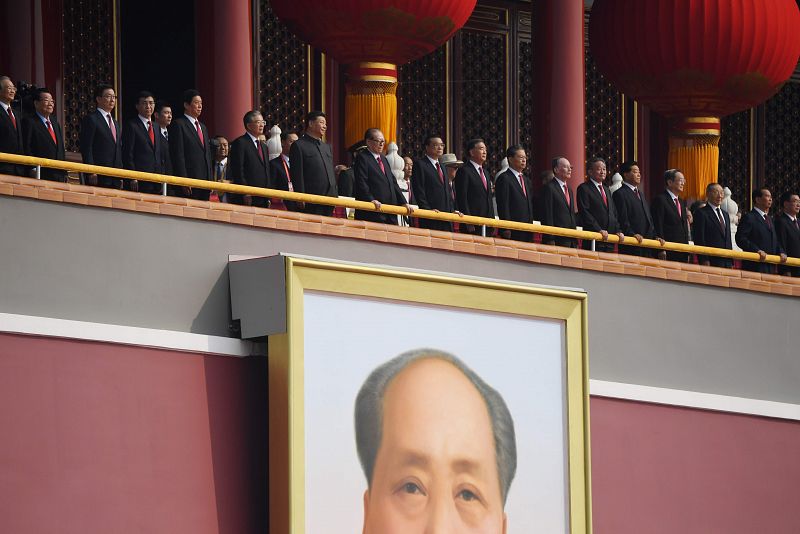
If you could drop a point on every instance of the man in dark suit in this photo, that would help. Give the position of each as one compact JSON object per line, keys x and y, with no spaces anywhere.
{"x":374,"y":181}
{"x":632,"y":210}
{"x":42,"y":136}
{"x":787,"y":227}
{"x":142,"y":145}
{"x":312,"y":164}
{"x":670,"y":216}
{"x":514,"y":194}
{"x":595,"y":207}
{"x":557,"y":203}
{"x":281,"y":172}
{"x":756,"y":233}
{"x":163,"y":118}
{"x":10,"y":128}
{"x":430,"y":186}
{"x":190,"y":146}
{"x":248,"y":163}
{"x":474,"y":189}
{"x":100,"y":140}
{"x":712,"y":227}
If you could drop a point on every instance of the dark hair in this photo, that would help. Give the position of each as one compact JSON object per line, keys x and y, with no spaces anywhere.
{"x":37,"y":93}
{"x":250,"y":116}
{"x":430,"y":137}
{"x":758,"y":193}
{"x":311,"y":116}
{"x":473,"y":142}
{"x":711,"y":186}
{"x":594,"y":160}
{"x":513,"y":149}
{"x":370,"y":133}
{"x":144,"y":94}
{"x":369,"y":414}
{"x":285,"y":135}
{"x":554,"y":163}
{"x":627,"y":166}
{"x":786,"y":196}
{"x":670,"y":174}
{"x":161,"y":104}
{"x":189,"y":94}
{"x":100,"y":89}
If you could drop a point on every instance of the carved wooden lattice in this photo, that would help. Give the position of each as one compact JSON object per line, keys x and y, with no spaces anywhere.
{"x":421,"y":101}
{"x":282,"y":91}
{"x":88,"y":60}
{"x":734,"y":156}
{"x":525,"y":94}
{"x":603,"y":108}
{"x":782,"y":146}
{"x":483,"y":111}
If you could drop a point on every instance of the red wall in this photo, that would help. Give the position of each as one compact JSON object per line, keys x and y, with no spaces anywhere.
{"x":107,"y":438}
{"x":664,"y":469}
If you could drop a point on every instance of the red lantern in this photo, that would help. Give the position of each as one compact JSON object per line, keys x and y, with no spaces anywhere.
{"x":696,"y":61}
{"x":690,"y":57}
{"x":387,"y":31}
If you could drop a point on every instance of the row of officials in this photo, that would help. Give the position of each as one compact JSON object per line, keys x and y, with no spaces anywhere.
{"x":155,"y":141}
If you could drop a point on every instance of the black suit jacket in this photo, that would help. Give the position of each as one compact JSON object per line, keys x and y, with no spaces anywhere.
{"x":246,"y":167}
{"x":139,"y":154}
{"x":166,"y":158}
{"x":555,"y":211}
{"x":707,"y":232}
{"x":190,"y":158}
{"x":754,"y":234}
{"x":513,"y":204}
{"x":472,"y":197}
{"x":312,"y":171}
{"x":669,"y":225}
{"x":431,"y":193}
{"x":11,"y":142}
{"x":370,"y":183}
{"x":789,"y":238}
{"x":98,"y":146}
{"x":595,"y":215}
{"x":281,"y":181}
{"x":37,"y":142}
{"x":634,"y":218}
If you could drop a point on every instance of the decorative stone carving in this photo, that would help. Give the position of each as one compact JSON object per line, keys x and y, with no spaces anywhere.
{"x":274,"y":142}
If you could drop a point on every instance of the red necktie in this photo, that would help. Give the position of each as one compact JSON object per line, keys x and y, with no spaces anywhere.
{"x":50,"y":129}
{"x":13,"y":118}
{"x":483,"y":178}
{"x":380,"y":163}
{"x":150,"y":133}
{"x":111,"y":127}
{"x":199,"y":133}
{"x":288,"y":175}
{"x":678,"y":205}
{"x":260,"y":151}
{"x":522,"y":183}
{"x":603,"y":194}
{"x":566,"y":193}
{"x":439,"y":170}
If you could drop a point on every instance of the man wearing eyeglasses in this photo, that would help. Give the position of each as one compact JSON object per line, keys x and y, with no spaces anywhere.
{"x":374,"y":181}
{"x":430,"y":185}
{"x":42,"y":136}
{"x":248,"y":161}
{"x":142,"y":144}
{"x":10,"y":127}
{"x":100,"y":138}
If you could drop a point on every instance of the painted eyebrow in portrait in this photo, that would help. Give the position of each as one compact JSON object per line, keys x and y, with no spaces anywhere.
{"x":421,"y":460}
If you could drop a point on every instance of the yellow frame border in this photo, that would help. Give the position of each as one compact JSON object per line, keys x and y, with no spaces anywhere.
{"x":286,"y":366}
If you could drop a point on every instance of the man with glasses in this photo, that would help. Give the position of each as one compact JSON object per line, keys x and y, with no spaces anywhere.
{"x":10,"y":127}
{"x":558,"y":203}
{"x":42,"y":136}
{"x":374,"y":181}
{"x":248,"y":161}
{"x":142,"y":143}
{"x":670,"y":216}
{"x":430,"y":186}
{"x":712,"y":227}
{"x":100,"y":138}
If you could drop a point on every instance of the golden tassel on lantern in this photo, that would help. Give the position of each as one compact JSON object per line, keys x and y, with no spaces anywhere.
{"x":694,"y":149}
{"x":370,"y":101}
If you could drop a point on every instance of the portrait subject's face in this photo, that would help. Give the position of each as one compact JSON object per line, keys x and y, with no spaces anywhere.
{"x":436,"y":468}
